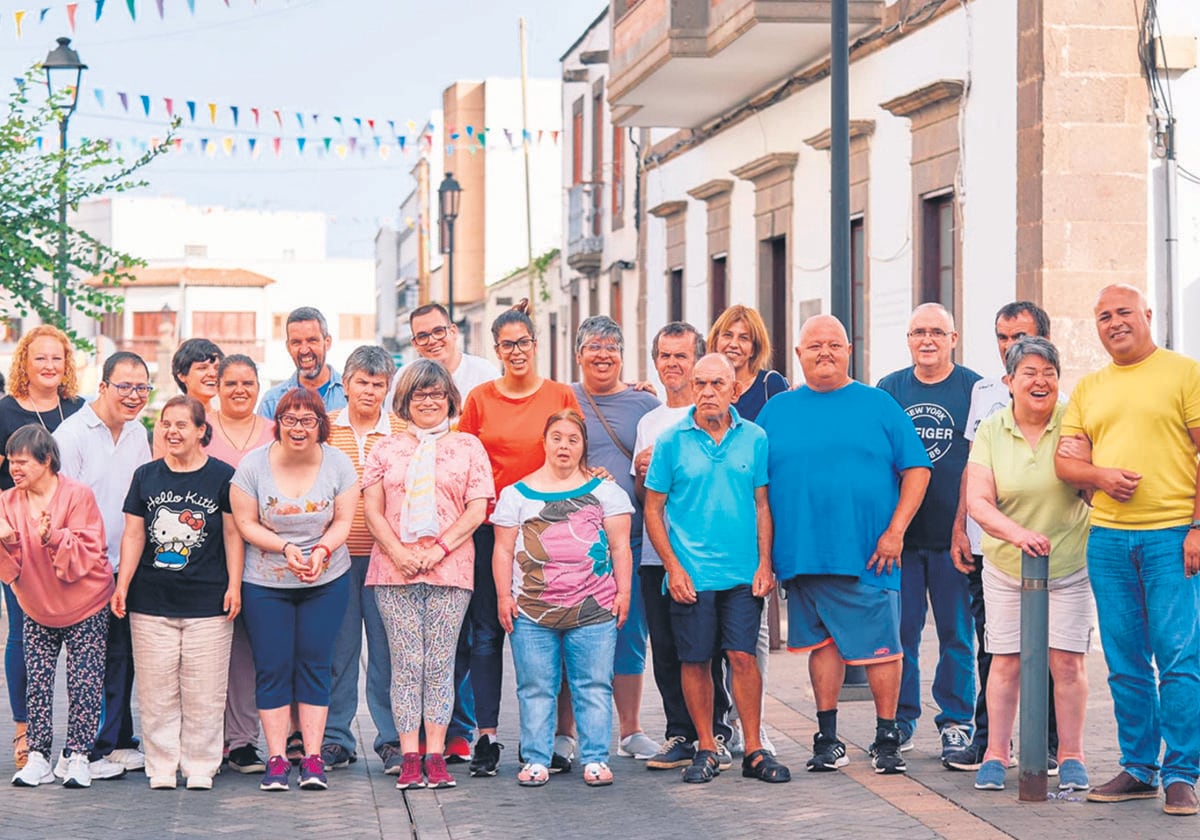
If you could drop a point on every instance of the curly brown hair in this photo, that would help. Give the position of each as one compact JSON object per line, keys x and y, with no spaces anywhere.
{"x":18,"y":374}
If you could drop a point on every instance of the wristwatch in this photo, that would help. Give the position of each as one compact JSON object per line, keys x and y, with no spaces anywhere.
{"x":1196,"y":524}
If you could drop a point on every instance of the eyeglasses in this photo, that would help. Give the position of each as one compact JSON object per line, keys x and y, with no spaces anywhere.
{"x":921,"y":332}
{"x":597,"y":347}
{"x":524,"y":345}
{"x":436,"y":334}
{"x":291,"y":421}
{"x":421,"y":396}
{"x":127,"y":388}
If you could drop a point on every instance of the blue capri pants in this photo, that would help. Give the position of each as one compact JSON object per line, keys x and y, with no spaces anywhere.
{"x":292,"y":634}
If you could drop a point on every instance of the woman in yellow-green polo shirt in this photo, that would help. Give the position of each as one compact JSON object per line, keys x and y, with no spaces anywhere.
{"x":1014,"y":495}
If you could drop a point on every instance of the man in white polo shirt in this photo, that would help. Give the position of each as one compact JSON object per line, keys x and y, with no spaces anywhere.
{"x":101,"y":445}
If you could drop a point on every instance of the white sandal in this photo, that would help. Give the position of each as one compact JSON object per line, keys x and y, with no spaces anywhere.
{"x":597,"y":774}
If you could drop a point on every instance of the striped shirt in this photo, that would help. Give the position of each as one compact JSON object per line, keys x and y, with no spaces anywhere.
{"x":342,"y":436}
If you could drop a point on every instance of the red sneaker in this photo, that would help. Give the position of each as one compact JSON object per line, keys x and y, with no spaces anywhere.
{"x":436,"y":774}
{"x":458,"y":750}
{"x":410,"y":773}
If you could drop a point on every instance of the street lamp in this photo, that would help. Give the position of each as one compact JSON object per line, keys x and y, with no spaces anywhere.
{"x":449,"y":194}
{"x":64,"y":71}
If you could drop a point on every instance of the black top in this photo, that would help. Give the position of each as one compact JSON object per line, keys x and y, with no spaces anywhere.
{"x":766,"y":384}
{"x":181,"y":573}
{"x":13,"y":417}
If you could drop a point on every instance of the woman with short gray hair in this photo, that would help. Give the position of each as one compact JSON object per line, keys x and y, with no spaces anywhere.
{"x":1022,"y":506}
{"x":425,"y":492}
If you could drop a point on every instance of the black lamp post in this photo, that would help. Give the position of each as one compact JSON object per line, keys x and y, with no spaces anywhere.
{"x":64,"y":71}
{"x":449,"y":194}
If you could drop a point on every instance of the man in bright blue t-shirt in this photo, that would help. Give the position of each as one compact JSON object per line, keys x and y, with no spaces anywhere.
{"x":708,"y":475}
{"x":847,"y":473}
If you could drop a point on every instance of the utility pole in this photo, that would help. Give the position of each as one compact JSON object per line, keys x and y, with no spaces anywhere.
{"x":525,"y":147}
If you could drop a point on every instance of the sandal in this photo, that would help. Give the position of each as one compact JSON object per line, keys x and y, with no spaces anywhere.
{"x":533,"y":775}
{"x":597,"y":774}
{"x":295,"y":748}
{"x":767,"y":769}
{"x":705,"y":767}
{"x":21,"y":746}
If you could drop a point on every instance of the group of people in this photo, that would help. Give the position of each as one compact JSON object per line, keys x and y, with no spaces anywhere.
{"x":438,"y":509}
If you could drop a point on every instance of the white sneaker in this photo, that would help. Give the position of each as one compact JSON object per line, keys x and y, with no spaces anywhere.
{"x":130,"y":759}
{"x":101,"y":769}
{"x":35,"y":772}
{"x":638,"y":745}
{"x":766,"y":742}
{"x":199,"y":782}
{"x":79,"y":774}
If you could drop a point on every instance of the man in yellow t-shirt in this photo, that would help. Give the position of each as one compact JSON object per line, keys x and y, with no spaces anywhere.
{"x":1136,"y":424}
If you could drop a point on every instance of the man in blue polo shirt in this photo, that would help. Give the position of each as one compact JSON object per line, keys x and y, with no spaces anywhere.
{"x":708,"y":474}
{"x":308,"y":341}
{"x":847,"y":474}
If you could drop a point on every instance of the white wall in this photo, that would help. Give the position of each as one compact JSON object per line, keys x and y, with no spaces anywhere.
{"x":979,"y":44}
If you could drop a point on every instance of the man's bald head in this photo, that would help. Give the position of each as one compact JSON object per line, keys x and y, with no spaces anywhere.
{"x":937,"y":309}
{"x":823,"y":323}
{"x":714,"y":363}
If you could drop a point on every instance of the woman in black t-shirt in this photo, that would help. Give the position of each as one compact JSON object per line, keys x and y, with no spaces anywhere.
{"x":180,"y":580}
{"x":42,"y":389}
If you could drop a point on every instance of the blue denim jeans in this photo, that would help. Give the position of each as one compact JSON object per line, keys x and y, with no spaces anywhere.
{"x":14,"y":657}
{"x":361,"y":612}
{"x":1148,"y":615}
{"x":539,"y":654}
{"x":931,"y":571}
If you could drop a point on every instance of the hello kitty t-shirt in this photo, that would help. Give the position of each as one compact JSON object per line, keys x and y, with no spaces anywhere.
{"x":181,"y":573}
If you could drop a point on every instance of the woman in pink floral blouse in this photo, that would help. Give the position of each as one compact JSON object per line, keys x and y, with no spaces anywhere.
{"x":425,"y":491}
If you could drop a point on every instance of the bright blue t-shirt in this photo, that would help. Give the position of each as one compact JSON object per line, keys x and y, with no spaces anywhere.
{"x":835,"y":462}
{"x":711,"y":514}
{"x":939,"y":414}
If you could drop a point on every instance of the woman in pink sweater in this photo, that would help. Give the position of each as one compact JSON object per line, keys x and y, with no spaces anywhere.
{"x":52,"y":554}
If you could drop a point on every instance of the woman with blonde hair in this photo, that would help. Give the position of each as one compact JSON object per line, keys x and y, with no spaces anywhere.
{"x":43,"y":389}
{"x":740,"y":335}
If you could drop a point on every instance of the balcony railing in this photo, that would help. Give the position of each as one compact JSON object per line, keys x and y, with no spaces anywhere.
{"x":585,"y":240}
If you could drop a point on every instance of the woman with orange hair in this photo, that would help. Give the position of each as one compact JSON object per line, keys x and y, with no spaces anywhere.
{"x":42,"y":389}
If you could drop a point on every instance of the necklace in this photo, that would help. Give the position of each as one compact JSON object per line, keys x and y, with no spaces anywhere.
{"x":37,"y":412}
{"x":228,"y":437}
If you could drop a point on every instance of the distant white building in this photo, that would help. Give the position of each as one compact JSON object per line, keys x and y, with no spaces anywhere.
{"x":231,"y":276}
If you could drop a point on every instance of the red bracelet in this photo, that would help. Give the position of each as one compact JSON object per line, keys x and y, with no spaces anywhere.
{"x":328,"y":553}
{"x":441,"y":545}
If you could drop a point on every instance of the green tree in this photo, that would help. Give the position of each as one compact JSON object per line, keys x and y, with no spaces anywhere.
{"x":31,"y":183}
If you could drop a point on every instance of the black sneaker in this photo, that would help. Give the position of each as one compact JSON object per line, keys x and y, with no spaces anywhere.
{"x":676,"y":751}
{"x":968,"y":758}
{"x":885,"y":752}
{"x":828,"y":754}
{"x":247,"y":760}
{"x":392,"y":757}
{"x":486,"y":760}
{"x":335,"y":757}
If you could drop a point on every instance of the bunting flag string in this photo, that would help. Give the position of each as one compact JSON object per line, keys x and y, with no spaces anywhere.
{"x":70,"y":10}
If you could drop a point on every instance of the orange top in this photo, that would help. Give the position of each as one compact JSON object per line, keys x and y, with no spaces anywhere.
{"x":511,"y":429}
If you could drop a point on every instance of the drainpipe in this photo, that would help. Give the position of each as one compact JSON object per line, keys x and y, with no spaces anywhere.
{"x":1171,"y":242}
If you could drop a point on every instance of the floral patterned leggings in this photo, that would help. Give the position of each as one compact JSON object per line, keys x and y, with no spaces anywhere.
{"x":422,"y":623}
{"x":86,"y":644}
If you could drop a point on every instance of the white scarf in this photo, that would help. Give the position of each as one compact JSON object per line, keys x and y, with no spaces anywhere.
{"x":418,"y":514}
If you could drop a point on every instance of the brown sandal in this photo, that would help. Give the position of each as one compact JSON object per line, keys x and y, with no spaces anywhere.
{"x":21,"y":746}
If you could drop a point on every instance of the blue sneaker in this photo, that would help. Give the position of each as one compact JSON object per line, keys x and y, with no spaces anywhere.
{"x":312,"y":773}
{"x":276,"y":777}
{"x":1072,"y":775}
{"x":990,"y":775}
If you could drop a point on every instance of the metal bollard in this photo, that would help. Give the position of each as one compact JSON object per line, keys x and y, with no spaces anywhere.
{"x":1035,"y":672}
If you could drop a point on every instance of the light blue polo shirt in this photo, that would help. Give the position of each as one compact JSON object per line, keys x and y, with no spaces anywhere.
{"x":713,"y":523}
{"x":332,"y":394}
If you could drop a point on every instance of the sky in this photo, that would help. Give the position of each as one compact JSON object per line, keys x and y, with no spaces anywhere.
{"x":374,"y":59}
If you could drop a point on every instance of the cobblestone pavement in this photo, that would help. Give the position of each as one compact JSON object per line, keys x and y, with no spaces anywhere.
{"x":929,"y":802}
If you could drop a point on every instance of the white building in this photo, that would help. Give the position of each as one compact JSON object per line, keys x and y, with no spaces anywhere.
{"x":229,"y":275}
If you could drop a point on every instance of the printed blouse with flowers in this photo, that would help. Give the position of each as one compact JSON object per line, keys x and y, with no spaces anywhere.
{"x":563,"y":571}
{"x":300,"y":521}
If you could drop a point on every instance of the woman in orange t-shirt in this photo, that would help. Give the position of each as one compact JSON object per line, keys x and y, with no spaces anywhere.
{"x":507,"y":415}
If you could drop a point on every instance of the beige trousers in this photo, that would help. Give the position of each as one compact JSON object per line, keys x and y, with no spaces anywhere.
{"x":182,"y":667}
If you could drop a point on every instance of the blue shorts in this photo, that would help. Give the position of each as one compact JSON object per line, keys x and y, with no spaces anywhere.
{"x":727,"y":619}
{"x":863,"y":621}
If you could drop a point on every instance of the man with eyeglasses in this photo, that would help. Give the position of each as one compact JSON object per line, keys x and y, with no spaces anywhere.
{"x":101,"y":445}
{"x":436,"y":339}
{"x":936,"y":394}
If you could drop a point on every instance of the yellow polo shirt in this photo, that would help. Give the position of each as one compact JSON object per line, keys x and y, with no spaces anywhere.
{"x":1137,"y":418}
{"x":1030,"y":494}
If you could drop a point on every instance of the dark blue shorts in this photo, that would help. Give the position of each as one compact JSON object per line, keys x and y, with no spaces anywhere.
{"x":727,"y":619}
{"x":863,"y":621}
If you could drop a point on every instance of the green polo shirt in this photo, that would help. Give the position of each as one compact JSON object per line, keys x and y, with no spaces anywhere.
{"x":1029,"y":493}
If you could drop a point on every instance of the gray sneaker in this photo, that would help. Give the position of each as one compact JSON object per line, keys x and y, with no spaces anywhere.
{"x":392,"y":757}
{"x":955,"y":738}
{"x":724,"y":756}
